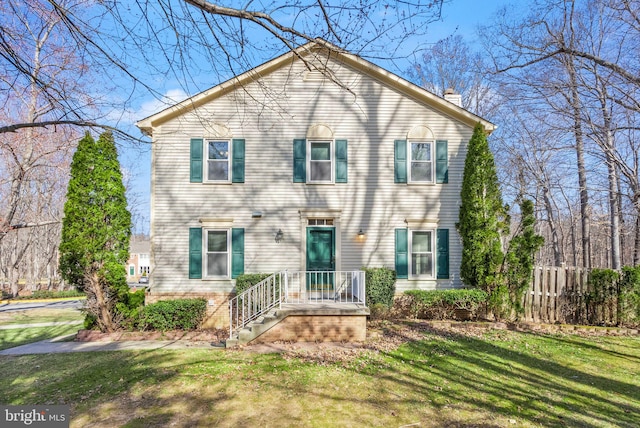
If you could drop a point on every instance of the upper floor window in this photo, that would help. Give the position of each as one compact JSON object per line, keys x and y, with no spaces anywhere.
{"x":217,"y":160}
{"x":421,"y":155}
{"x":421,"y":161}
{"x":218,"y":156}
{"x":320,"y":161}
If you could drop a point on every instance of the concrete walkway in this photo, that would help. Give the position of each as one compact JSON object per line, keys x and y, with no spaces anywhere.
{"x":58,"y":345}
{"x":51,"y":347}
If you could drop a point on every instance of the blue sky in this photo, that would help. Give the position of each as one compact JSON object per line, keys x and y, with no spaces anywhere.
{"x":458,"y":17}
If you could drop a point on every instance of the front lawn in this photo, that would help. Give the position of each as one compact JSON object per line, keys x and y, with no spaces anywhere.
{"x":475,"y":378}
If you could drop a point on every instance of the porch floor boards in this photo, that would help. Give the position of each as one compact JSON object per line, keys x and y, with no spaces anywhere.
{"x":322,"y":308}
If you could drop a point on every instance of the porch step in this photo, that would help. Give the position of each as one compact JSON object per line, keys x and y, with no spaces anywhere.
{"x":256,"y":328}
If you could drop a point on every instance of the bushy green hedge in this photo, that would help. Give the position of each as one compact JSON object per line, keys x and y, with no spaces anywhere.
{"x":47,"y":294}
{"x":179,"y":314}
{"x":248,"y":280}
{"x":130,"y":309}
{"x":442,"y":304}
{"x":629,"y":296}
{"x":381,"y":286}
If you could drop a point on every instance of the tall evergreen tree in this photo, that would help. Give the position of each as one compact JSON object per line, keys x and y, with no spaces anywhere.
{"x":520,"y":256}
{"x":483,"y":218}
{"x":96,"y":229}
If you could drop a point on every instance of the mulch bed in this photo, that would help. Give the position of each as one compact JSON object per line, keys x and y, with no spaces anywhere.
{"x":216,"y":336}
{"x":382,"y":336}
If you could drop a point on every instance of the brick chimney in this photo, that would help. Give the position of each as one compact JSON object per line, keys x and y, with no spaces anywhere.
{"x":453,"y":97}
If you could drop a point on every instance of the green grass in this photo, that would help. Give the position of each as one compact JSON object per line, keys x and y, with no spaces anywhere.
{"x":22,"y":336}
{"x":499,"y":379}
{"x":39,"y":315}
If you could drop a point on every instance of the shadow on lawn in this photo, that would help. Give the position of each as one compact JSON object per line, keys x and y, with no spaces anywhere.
{"x":437,"y":381}
{"x":13,"y":337}
{"x":505,"y":381}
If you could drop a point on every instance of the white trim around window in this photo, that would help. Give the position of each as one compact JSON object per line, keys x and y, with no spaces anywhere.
{"x":217,"y":253}
{"x":422,"y":254}
{"x":320,"y":161}
{"x":217,"y":165}
{"x":421,"y":168}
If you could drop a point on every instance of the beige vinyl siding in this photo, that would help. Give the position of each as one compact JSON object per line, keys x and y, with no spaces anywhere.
{"x":370,"y":116}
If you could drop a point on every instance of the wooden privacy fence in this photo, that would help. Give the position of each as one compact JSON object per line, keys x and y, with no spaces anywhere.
{"x":560,"y":295}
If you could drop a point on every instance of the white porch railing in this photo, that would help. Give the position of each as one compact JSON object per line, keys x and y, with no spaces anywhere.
{"x":315,"y":287}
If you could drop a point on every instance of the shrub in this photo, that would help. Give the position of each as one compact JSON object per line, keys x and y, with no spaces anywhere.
{"x":442,"y":304}
{"x":601,"y":299}
{"x":381,"y":286}
{"x":629,"y":296}
{"x":179,"y":314}
{"x":130,"y":309}
{"x":48,"y":294}
{"x":248,"y":280}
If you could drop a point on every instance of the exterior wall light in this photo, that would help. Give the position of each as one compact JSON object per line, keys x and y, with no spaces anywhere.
{"x":361,"y":235}
{"x":279,"y":236}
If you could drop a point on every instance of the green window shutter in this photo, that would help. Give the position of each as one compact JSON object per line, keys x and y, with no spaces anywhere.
{"x":237,"y":167}
{"x":195,"y":253}
{"x":442,"y":246}
{"x":402,"y":253}
{"x":237,"y":252}
{"x":300,"y":161}
{"x":341,"y":161}
{"x":196,"y":160}
{"x":400,"y":161}
{"x":442,"y":162}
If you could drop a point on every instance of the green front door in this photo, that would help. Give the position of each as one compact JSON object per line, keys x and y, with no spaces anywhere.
{"x":321,"y":258}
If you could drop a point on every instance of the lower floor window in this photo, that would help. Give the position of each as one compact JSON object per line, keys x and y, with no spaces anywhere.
{"x":421,"y":248}
{"x":217,"y":253}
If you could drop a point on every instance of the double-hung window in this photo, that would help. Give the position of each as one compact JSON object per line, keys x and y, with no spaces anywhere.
{"x":217,"y":253}
{"x":422,"y":253}
{"x":421,"y":161}
{"x":320,"y":161}
{"x":421,"y":247}
{"x":218,"y":158}
{"x":217,"y":161}
{"x":421,"y":158}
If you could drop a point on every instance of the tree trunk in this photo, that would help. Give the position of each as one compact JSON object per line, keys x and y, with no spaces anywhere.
{"x":557,"y":255}
{"x":585,"y":212}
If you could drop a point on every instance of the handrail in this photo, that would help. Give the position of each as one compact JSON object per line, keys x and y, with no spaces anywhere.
{"x":308,"y":287}
{"x":254,"y":302}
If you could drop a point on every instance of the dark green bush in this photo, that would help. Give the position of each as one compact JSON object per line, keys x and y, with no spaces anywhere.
{"x":47,"y":294}
{"x":601,"y":298}
{"x":179,"y":314}
{"x":381,"y":286}
{"x":130,"y":309}
{"x":442,"y":304}
{"x":629,"y":296}
{"x":248,"y":280}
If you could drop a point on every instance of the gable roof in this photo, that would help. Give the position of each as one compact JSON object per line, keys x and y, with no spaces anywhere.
{"x":315,"y":48}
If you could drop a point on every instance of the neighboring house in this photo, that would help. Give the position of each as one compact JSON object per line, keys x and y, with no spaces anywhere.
{"x":139,"y":263}
{"x":336,"y":167}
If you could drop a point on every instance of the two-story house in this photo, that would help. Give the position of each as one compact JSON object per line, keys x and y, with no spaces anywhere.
{"x":317,"y":160}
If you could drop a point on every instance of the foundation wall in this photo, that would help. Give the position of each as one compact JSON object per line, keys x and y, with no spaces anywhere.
{"x":317,"y":328}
